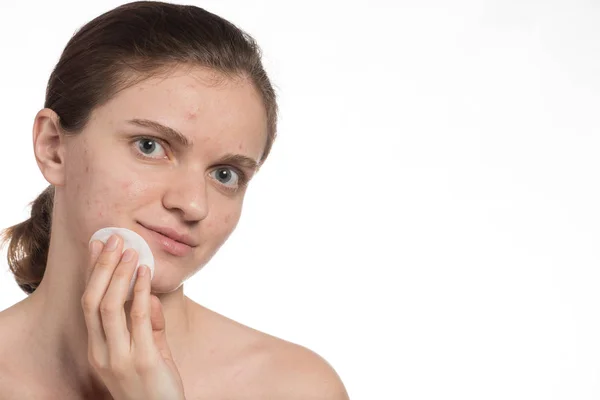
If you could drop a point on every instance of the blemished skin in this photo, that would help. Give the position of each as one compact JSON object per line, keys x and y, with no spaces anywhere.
{"x":116,"y":173}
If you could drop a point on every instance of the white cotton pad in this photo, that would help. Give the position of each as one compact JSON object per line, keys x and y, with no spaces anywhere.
{"x":130,"y":240}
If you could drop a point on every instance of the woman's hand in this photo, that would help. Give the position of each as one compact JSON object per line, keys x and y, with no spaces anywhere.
{"x":133,"y":365}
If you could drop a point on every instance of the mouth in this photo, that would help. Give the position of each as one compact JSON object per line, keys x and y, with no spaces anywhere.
{"x":169,"y":240}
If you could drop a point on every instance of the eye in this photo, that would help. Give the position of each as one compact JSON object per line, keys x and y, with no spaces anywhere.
{"x":149,"y":145}
{"x":229,"y":177}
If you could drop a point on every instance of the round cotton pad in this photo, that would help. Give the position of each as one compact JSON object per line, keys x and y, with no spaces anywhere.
{"x":130,"y":240}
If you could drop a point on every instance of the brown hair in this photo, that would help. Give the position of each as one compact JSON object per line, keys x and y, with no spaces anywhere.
{"x":114,"y":51}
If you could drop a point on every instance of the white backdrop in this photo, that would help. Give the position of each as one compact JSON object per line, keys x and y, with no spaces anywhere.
{"x":428,"y":219}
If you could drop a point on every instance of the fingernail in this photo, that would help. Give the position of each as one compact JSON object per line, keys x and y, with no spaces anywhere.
{"x":142,"y":270}
{"x":127,"y":255}
{"x":112,"y":243}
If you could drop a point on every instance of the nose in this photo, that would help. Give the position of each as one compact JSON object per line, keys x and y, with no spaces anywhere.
{"x":187,"y":194}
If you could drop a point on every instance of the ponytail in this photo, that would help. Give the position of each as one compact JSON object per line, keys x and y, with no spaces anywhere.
{"x":29,"y":242}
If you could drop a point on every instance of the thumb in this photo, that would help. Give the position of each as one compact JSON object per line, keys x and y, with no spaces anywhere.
{"x":157,"y":318}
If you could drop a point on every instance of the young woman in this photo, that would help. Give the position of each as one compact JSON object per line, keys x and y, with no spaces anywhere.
{"x":156,"y":117}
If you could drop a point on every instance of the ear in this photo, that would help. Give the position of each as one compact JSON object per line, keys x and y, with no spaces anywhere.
{"x":48,"y":146}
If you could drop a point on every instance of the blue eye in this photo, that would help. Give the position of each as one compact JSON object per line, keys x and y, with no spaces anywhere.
{"x":224,"y":175}
{"x":147,"y":145}
{"x":231,"y":178}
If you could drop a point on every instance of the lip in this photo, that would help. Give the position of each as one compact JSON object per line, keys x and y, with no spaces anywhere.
{"x":172,"y":234}
{"x":168,"y":240}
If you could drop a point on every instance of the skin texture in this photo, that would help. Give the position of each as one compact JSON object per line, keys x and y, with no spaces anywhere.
{"x":103,"y":178}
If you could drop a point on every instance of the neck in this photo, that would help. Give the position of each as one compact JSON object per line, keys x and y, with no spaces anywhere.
{"x":58,"y":335}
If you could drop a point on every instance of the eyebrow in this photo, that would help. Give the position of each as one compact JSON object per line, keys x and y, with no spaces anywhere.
{"x":178,"y":137}
{"x":170,"y":133}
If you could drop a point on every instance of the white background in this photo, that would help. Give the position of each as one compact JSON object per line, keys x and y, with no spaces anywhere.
{"x":428,"y":219}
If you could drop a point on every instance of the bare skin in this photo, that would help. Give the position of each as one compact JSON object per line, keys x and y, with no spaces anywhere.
{"x":109,"y":176}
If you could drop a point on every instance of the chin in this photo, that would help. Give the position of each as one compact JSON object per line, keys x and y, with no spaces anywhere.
{"x":169,"y":274}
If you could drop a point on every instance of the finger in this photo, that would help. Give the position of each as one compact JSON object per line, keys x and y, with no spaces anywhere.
{"x":157,"y":319}
{"x":94,"y":292}
{"x":141,"y":326}
{"x":114,"y":319}
{"x":95,"y":248}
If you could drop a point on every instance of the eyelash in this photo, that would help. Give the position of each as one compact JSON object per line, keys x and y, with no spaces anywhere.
{"x":242,"y":179}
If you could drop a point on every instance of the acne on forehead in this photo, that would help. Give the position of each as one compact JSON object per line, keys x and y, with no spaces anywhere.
{"x":191,"y":115}
{"x":203,"y":90}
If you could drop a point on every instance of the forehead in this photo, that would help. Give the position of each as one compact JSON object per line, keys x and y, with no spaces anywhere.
{"x":212,"y":110}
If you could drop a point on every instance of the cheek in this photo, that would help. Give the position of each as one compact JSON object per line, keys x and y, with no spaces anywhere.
{"x":103,"y":195}
{"x":221,"y":227}
{"x":104,"y":200}
{"x":116,"y":196}
{"x":229,"y":222}
{"x":230,"y":219}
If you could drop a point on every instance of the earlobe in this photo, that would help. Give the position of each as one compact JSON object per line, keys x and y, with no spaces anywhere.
{"x":48,"y":146}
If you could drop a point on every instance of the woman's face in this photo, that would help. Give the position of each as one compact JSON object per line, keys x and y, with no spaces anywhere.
{"x":121,"y":171}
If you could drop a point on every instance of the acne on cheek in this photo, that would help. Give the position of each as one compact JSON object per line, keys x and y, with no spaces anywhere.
{"x":99,"y":204}
{"x":106,"y":200}
{"x":104,"y":192}
{"x":97,"y":207}
{"x":103,"y":207}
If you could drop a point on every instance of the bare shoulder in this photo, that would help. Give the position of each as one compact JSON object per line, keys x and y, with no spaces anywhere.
{"x":8,"y":329}
{"x":16,"y":379}
{"x":10,"y":378}
{"x":300,"y":373}
{"x":270,"y":367}
{"x":5,"y":344}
